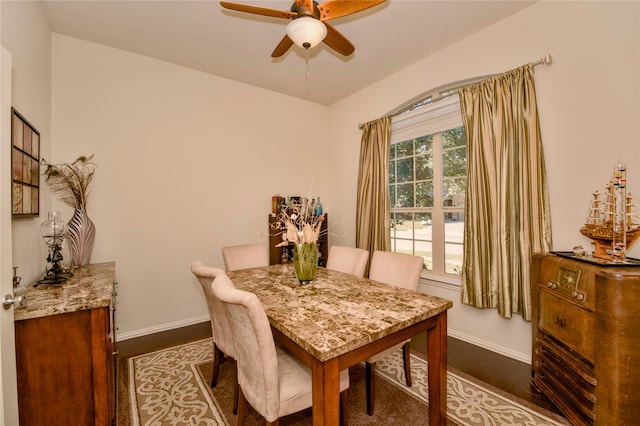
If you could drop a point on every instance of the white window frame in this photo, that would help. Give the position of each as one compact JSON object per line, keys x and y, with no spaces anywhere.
{"x":433,"y":116}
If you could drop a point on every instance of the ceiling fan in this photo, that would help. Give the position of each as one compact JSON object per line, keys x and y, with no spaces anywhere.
{"x":308,"y":26}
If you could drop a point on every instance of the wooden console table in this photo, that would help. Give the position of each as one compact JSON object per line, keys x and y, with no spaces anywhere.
{"x":65,"y":350}
{"x":586,"y":338}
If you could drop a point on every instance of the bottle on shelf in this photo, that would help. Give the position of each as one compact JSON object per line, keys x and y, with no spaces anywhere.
{"x":317,"y":208}
{"x":284,"y":255}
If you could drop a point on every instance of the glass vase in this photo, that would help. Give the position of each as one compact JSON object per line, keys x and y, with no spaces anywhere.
{"x":305,"y":261}
{"x":81,"y":235}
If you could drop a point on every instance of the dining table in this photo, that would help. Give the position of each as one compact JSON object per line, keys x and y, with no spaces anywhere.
{"x":339,"y":320}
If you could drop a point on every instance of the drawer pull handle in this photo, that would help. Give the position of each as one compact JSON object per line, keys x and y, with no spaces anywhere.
{"x":561,"y":322}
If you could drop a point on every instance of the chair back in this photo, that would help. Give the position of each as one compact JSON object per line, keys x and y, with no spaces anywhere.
{"x":245,"y":256}
{"x":220,"y":327}
{"x":256,"y":351}
{"x":399,"y":269}
{"x":349,"y":260}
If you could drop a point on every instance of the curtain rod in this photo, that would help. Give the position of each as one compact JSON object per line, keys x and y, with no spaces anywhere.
{"x":546,"y":60}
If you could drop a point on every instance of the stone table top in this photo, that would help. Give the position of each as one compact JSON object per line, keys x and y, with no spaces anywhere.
{"x":337,"y":312}
{"x":90,"y":287}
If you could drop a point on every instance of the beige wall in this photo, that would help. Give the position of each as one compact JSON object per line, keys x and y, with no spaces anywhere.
{"x":188,"y":162}
{"x":589,"y":105}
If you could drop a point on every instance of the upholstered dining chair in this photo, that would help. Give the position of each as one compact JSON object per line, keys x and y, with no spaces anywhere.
{"x":245,"y":256}
{"x":223,"y":343}
{"x":401,"y":270}
{"x":274,"y":382}
{"x":349,"y":260}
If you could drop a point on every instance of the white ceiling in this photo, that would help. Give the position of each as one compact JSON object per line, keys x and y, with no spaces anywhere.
{"x":204,"y":36}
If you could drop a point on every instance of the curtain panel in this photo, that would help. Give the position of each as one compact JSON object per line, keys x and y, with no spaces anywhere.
{"x":507,"y":214}
{"x":373,"y":209}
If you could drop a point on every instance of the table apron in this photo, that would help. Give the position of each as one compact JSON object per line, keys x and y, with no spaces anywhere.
{"x":353,"y":357}
{"x":364,"y":352}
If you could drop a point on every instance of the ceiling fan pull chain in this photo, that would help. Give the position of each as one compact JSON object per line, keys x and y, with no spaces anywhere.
{"x":307,"y":62}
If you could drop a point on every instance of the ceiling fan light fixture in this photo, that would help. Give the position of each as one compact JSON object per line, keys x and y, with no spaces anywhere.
{"x":306,"y":32}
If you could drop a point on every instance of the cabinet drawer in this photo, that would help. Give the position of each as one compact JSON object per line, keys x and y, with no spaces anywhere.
{"x":573,"y":326}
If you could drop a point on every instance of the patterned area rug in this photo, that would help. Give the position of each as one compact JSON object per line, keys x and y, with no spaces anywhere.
{"x":171,"y":387}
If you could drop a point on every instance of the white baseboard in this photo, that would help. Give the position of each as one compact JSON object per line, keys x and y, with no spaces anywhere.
{"x":158,"y":328}
{"x":461,"y":336}
{"x":490,"y":346}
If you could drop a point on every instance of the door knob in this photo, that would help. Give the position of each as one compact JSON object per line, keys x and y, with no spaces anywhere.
{"x":17,"y":301}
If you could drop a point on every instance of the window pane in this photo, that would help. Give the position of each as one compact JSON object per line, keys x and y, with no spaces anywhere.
{"x":422,"y":226}
{"x":405,"y":195}
{"x":454,"y":172}
{"x":453,"y":192}
{"x":454,"y":137}
{"x":453,"y":237}
{"x":423,"y":249}
{"x":393,"y":224}
{"x":401,"y":225}
{"x":454,"y":162}
{"x":392,"y":172}
{"x":424,"y":194}
{"x":404,"y":169}
{"x":392,"y":196}
{"x":404,"y":224}
{"x":453,"y":258}
{"x":424,"y":144}
{"x":404,"y":149}
{"x":392,"y":152}
{"x":424,"y":167}
{"x":402,"y":232}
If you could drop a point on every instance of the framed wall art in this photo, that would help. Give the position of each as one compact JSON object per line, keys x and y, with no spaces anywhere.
{"x":25,"y":167}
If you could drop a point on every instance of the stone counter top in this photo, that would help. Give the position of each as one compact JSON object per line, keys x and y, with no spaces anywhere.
{"x":337,"y":312}
{"x":90,"y":287}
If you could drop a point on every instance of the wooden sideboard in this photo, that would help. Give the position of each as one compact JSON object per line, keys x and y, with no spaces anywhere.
{"x":586,"y":338}
{"x":65,"y":350}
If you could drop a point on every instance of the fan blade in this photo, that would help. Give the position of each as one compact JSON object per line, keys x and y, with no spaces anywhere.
{"x":258,"y":10}
{"x":337,"y":41}
{"x":333,"y":9}
{"x":282,"y":47}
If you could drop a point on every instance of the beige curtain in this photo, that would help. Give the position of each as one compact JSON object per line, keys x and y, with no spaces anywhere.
{"x":507,"y":207}
{"x":373,"y":211}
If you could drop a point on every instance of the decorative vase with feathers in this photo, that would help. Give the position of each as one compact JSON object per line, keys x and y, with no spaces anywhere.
{"x":81,"y":233}
{"x":71,"y":182}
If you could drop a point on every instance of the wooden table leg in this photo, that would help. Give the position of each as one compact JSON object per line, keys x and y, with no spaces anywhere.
{"x":326,"y":392}
{"x":437,"y":361}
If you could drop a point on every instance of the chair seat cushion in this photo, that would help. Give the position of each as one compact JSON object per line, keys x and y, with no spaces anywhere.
{"x":381,"y":355}
{"x":295,"y":383}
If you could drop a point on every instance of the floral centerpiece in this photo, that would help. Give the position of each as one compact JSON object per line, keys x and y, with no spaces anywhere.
{"x":72,"y":182}
{"x":302,"y":228}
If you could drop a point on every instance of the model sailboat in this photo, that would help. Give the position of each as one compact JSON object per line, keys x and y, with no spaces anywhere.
{"x":601,"y":219}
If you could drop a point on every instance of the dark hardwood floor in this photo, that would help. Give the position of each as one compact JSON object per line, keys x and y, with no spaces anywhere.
{"x":505,"y":373}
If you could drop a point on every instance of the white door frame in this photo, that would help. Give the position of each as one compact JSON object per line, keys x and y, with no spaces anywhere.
{"x":8,"y":382}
